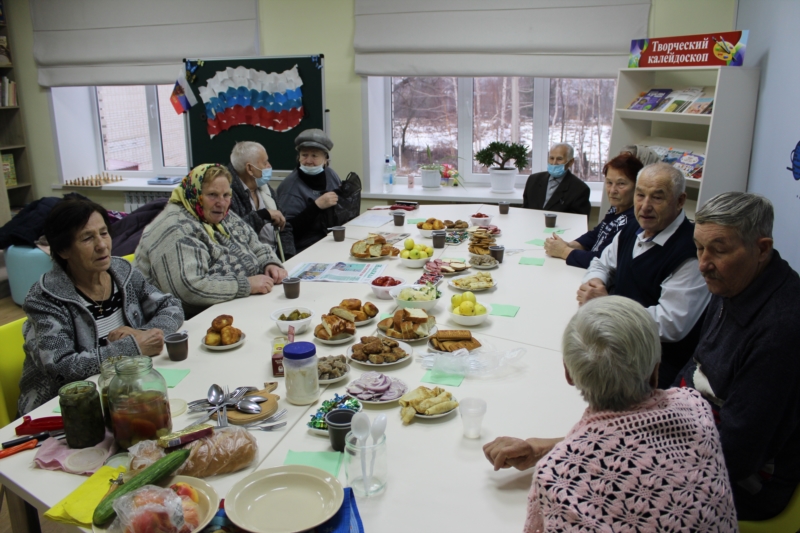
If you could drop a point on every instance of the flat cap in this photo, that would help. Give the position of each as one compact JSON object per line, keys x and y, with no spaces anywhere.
{"x":313,"y":138}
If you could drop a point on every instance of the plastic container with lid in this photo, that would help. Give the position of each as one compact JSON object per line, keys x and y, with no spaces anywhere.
{"x":139,"y":402}
{"x":300,"y":369}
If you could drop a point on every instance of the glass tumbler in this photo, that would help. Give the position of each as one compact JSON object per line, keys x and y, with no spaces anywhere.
{"x":365,"y":466}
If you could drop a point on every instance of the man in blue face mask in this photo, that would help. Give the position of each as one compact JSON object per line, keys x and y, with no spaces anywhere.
{"x":254,"y":200}
{"x":558,"y":189}
{"x":307,"y":194}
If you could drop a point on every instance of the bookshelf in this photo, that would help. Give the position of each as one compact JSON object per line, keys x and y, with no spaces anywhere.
{"x":13,"y":143}
{"x":725,"y":136}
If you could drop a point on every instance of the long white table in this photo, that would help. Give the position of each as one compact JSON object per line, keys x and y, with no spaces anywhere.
{"x":438,"y":479}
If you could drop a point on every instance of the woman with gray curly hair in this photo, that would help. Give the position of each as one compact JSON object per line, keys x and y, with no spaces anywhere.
{"x":640,"y":458}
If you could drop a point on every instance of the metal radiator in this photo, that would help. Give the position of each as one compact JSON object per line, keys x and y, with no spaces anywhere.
{"x":136,"y":199}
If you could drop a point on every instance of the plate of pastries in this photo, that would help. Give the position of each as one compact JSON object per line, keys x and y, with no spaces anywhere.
{"x":379,"y":351}
{"x":335,"y":329}
{"x":450,"y":340}
{"x":372,"y":248}
{"x":222,"y":335}
{"x":352,"y":309}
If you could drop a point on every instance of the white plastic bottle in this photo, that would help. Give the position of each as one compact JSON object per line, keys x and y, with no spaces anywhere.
{"x":388,"y":175}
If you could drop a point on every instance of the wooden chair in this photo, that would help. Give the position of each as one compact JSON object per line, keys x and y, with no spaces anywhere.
{"x":788,"y":521}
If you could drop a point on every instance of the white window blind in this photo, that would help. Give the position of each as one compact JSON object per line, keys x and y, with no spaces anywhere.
{"x":541,"y":38}
{"x":120,"y":42}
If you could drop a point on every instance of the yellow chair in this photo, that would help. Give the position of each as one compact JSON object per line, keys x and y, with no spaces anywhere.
{"x":788,"y":521}
{"x":11,"y":360}
{"x":129,"y":258}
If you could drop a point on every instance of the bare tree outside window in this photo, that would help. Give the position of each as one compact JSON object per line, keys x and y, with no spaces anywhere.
{"x":424,"y":113}
{"x":581,"y":112}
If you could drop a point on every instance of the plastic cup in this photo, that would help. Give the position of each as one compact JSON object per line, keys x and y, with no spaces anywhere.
{"x":439,"y":237}
{"x":550,"y":220}
{"x":399,"y":218}
{"x":497,"y":252}
{"x":291,"y":288}
{"x":472,"y":411}
{"x":338,"y":422}
{"x":504,"y":207}
{"x":338,"y":233}
{"x":177,"y":346}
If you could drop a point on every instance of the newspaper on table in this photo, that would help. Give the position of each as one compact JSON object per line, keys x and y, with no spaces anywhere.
{"x":339,"y":272}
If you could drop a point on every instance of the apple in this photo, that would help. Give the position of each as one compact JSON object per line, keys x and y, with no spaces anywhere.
{"x":467,"y":308}
{"x":456,"y":310}
{"x":419,"y":246}
{"x":455,"y":300}
{"x":468,"y":296}
{"x":429,"y":251}
{"x":480,"y":309}
{"x":413,"y":254}
{"x":422,"y":254}
{"x":409,"y":244}
{"x":404,"y":254}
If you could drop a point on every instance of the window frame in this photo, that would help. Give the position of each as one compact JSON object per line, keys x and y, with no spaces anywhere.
{"x":382,"y":123}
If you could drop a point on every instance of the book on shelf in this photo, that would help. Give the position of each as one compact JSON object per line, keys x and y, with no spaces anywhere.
{"x":8,"y":92}
{"x":680,"y":100}
{"x":700,"y":105}
{"x":9,"y":170}
{"x":649,"y":100}
{"x":690,"y":163}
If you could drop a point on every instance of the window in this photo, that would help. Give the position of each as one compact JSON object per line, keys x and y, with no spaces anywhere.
{"x":140,"y":130}
{"x":455,"y":117}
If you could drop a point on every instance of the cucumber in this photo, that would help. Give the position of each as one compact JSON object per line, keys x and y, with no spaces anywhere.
{"x":150,"y":475}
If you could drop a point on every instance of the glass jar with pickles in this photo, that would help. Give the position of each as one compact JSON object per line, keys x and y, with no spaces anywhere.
{"x":107,"y":373}
{"x":139,"y":402}
{"x":82,"y":414}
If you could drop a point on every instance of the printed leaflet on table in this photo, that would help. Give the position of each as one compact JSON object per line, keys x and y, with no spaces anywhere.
{"x":339,"y":272}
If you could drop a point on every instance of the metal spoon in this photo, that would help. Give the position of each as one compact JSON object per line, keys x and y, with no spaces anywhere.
{"x":247,"y":406}
{"x":216,"y":397}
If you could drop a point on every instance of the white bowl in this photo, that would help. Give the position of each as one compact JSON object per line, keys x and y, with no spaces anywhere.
{"x":481,"y":221}
{"x":383,"y":292}
{"x":426,"y":305}
{"x":427,"y":233}
{"x":414,"y":263}
{"x":470,"y":320}
{"x":299,"y":325}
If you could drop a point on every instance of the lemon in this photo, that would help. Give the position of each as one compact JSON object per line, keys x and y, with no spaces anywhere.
{"x":456,"y":300}
{"x":480,"y":309}
{"x":468,"y":297}
{"x":467,"y":308}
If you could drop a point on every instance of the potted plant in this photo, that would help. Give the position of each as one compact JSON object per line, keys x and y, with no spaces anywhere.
{"x":430,"y":172}
{"x":496,"y":156}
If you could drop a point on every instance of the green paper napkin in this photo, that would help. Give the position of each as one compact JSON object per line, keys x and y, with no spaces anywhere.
{"x":554,"y":230}
{"x":415,"y":220}
{"x":504,"y":310}
{"x":57,"y":408}
{"x":327,"y":461}
{"x":537,"y":261}
{"x":456,"y":259}
{"x":536,"y":242}
{"x":173,"y":376}
{"x":440,"y":378}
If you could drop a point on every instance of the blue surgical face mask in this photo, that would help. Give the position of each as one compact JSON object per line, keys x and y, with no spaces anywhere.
{"x":266,"y":175}
{"x":556,"y":170}
{"x":312,"y":171}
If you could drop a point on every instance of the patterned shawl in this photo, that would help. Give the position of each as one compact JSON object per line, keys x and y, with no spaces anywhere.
{"x":188,"y":194}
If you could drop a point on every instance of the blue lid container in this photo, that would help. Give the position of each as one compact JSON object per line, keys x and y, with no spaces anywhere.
{"x":299,"y":350}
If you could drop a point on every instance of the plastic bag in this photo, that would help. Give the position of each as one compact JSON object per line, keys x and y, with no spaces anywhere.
{"x":484,"y":363}
{"x":226,"y":450}
{"x":154,"y":509}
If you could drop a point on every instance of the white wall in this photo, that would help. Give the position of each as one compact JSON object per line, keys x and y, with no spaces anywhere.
{"x":773,"y":46}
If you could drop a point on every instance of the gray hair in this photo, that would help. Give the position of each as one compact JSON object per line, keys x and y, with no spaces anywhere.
{"x":570,"y":149}
{"x":245,"y":152}
{"x":611,"y":348}
{"x":751,"y":215}
{"x":675,"y":176}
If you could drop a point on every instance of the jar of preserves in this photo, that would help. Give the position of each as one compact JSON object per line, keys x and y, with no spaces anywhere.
{"x":107,"y":373}
{"x":139,"y":402}
{"x":300,"y":369}
{"x":82,"y":414}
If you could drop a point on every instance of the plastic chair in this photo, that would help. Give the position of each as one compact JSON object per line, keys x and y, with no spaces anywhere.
{"x":25,"y":266}
{"x":13,"y":355}
{"x":788,"y":521}
{"x":129,"y":258}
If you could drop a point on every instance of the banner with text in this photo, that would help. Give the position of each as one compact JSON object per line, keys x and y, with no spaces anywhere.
{"x":705,"y":50}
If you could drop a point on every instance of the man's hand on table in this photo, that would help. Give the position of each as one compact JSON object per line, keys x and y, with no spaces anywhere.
{"x":505,"y":452}
{"x":260,"y":284}
{"x":594,"y":288}
{"x":276,"y":273}
{"x":555,"y":246}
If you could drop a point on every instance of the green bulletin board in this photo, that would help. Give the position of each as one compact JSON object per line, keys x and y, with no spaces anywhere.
{"x":279,"y":145}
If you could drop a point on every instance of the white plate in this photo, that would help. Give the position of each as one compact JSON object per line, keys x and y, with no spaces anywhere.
{"x":485,"y":267}
{"x":440,"y":415}
{"x":364,"y":322}
{"x":369,"y":258}
{"x":208,"y":500}
{"x":434,"y":329}
{"x":224,"y":348}
{"x":372,"y":402}
{"x":334,"y":380}
{"x":434,"y":350}
{"x":452,"y":273}
{"x":336,"y":342}
{"x":453,"y":286}
{"x":403,"y":346}
{"x":258,"y":503}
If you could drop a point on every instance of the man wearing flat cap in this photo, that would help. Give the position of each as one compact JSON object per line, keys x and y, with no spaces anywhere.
{"x":307,"y":195}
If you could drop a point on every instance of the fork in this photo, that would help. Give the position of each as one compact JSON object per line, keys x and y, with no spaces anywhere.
{"x":273,"y":427}
{"x":222,"y":419}
{"x":277,"y":416}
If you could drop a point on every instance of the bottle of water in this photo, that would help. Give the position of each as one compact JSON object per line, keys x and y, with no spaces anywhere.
{"x":388,"y":175}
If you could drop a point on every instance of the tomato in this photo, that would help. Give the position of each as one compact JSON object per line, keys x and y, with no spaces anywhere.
{"x":386,"y":281}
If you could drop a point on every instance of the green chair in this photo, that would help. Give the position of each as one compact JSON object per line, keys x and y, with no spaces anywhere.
{"x":11,"y":360}
{"x":788,"y":521}
{"x":128,"y":258}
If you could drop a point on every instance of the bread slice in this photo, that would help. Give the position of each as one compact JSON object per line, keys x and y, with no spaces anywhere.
{"x":343,"y":313}
{"x":353,"y":304}
{"x":408,"y":330}
{"x":361,"y":316}
{"x":375,"y":250}
{"x":385,"y":324}
{"x":453,"y":335}
{"x":416,"y":316}
{"x":398,"y":318}
{"x":370,"y":309}
{"x":422,"y":329}
{"x":395,"y":334}
{"x":333,"y":325}
{"x":376,"y":239}
{"x":349,"y":327}
{"x":320,"y":333}
{"x":359,"y":249}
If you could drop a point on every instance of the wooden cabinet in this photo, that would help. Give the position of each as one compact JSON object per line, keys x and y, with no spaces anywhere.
{"x":13,"y":142}
{"x":725,"y":137}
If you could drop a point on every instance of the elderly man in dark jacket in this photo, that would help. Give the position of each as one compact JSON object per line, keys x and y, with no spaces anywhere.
{"x":558,"y":189}
{"x":746,"y":363}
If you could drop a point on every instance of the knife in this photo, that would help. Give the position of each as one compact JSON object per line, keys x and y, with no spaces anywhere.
{"x":31,"y":444}
{"x":44,"y":435}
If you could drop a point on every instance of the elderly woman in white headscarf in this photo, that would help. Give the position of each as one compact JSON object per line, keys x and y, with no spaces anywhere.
{"x":640,"y":458}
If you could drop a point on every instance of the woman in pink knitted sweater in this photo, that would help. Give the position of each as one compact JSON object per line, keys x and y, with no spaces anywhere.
{"x":640,"y":459}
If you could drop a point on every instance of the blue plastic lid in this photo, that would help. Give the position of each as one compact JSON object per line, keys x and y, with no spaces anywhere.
{"x":299,"y":350}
